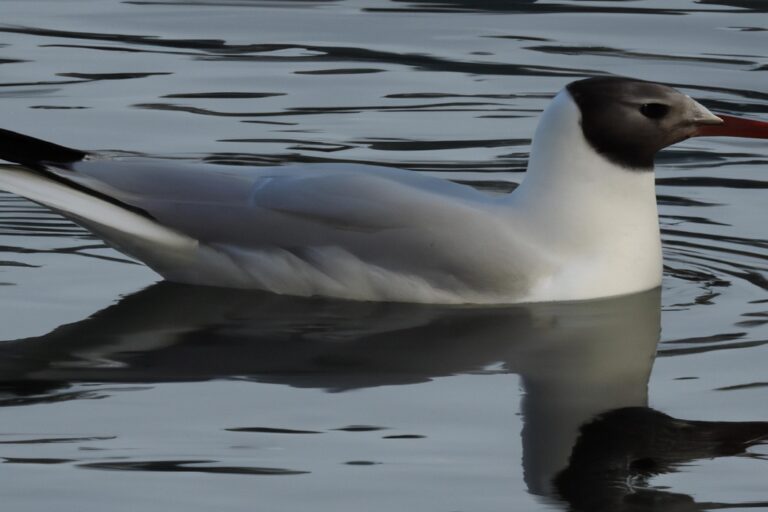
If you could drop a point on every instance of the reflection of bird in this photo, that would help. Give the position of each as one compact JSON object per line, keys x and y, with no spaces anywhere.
{"x":619,"y":450}
{"x":576,"y":360}
{"x":171,"y":332}
{"x":582,"y":225}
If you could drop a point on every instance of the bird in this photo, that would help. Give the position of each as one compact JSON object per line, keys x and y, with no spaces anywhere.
{"x":583,"y":223}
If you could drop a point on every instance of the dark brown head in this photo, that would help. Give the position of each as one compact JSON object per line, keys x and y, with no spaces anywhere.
{"x":628,"y":121}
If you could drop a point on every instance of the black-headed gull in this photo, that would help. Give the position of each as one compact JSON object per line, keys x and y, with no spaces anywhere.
{"x":583,"y":224}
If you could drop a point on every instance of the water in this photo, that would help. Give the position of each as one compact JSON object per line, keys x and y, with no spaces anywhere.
{"x":121,"y":393}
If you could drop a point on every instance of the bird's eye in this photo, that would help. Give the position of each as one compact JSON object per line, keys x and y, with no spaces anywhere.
{"x":654,"y":110}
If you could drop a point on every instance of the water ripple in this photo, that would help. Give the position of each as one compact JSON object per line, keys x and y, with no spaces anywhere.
{"x":188,"y":466}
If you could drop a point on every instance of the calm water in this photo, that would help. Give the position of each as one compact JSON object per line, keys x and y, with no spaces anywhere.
{"x":120,"y":393}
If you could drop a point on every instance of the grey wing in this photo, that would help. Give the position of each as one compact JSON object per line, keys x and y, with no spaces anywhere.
{"x":337,"y":220}
{"x":286,"y":205}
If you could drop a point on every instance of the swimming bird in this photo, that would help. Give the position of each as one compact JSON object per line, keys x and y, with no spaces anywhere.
{"x":582,"y":224}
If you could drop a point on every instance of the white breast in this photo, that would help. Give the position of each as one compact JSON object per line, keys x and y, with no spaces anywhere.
{"x":596,"y":220}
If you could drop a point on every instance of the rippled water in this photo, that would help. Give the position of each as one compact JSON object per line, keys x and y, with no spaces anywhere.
{"x":118,"y":393}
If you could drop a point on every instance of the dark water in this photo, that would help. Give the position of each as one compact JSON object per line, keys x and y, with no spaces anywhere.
{"x":121,"y":394}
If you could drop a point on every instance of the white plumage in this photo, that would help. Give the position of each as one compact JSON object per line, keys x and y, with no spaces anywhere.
{"x":579,"y":227}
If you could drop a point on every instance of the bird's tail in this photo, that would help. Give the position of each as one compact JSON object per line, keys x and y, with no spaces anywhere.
{"x":128,"y":229}
{"x":34,"y":153}
{"x":48,"y":177}
{"x":34,"y":181}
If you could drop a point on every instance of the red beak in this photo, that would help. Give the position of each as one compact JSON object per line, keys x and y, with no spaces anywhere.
{"x":734,"y":127}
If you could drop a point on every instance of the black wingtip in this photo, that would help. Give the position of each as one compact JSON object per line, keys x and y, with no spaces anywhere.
{"x":32,"y":152}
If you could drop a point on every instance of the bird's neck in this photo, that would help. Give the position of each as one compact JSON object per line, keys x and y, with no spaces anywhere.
{"x":580,"y":205}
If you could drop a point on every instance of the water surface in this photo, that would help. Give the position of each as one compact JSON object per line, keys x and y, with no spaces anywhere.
{"x":119,"y":392}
